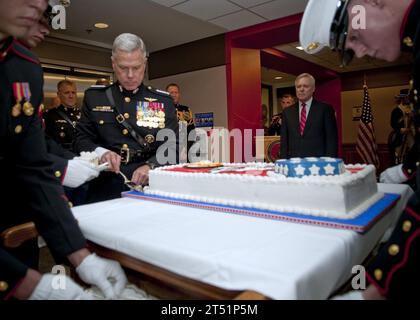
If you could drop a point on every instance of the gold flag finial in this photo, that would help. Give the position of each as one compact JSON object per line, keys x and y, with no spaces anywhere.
{"x":364,"y":81}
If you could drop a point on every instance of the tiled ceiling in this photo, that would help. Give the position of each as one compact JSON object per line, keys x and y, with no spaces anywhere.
{"x":235,"y":14}
{"x":167,"y":23}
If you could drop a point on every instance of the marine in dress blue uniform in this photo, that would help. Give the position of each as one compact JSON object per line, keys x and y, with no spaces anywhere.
{"x":395,"y":270}
{"x":62,"y":128}
{"x":185,"y":117}
{"x":33,"y":192}
{"x":146,"y":109}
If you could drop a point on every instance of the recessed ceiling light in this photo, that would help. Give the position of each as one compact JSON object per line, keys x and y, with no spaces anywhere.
{"x":101,"y":25}
{"x":278,"y":78}
{"x":299,"y":48}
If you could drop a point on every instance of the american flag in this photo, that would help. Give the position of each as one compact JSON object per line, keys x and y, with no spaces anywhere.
{"x":366,"y":145}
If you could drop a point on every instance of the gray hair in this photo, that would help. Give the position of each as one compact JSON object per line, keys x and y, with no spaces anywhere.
{"x":129,"y":42}
{"x":305,"y":75}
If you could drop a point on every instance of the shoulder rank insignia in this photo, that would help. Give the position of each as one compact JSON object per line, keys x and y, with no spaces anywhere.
{"x":98,"y":87}
{"x":164,"y":92}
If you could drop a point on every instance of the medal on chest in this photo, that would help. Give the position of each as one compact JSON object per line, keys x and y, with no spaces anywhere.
{"x":22,"y":94}
{"x":150,"y":115}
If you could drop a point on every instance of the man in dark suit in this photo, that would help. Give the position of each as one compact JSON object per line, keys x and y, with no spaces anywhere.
{"x":309,"y":127}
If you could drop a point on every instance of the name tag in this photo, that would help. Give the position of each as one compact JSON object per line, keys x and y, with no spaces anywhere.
{"x":103,"y":109}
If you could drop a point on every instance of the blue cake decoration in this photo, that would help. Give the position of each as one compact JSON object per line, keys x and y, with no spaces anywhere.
{"x":301,"y":167}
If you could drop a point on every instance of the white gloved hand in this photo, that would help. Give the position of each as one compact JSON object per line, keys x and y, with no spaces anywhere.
{"x":58,"y":287}
{"x":99,"y":272}
{"x":101,"y":151}
{"x":351,"y":295}
{"x":393,"y":175}
{"x":78,"y":172}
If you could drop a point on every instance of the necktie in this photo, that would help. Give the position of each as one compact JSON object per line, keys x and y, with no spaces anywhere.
{"x":302,"y":119}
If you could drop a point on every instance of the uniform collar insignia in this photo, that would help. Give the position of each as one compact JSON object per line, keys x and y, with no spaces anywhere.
{"x":129,"y":92}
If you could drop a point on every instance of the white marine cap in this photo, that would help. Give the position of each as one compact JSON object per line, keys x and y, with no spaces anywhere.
{"x":53,"y":3}
{"x":324,"y":24}
{"x":65,"y":3}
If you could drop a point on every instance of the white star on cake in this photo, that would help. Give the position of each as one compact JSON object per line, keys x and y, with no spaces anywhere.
{"x":329,"y":169}
{"x":314,"y":170}
{"x":300,"y":171}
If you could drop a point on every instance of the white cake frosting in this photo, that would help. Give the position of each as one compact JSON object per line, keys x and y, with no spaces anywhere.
{"x":343,"y":196}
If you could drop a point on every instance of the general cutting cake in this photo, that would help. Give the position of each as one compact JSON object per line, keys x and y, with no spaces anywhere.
{"x":322,"y":187}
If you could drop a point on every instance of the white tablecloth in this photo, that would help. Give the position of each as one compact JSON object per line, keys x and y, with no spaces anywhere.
{"x":281,"y":260}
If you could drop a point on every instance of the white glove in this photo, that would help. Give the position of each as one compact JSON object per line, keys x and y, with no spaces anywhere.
{"x":351,"y":295}
{"x":99,"y":271}
{"x":79,"y":172}
{"x":100,"y":152}
{"x":58,"y":287}
{"x":393,"y":175}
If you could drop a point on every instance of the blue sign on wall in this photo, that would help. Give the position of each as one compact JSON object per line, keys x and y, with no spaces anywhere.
{"x":202,"y":120}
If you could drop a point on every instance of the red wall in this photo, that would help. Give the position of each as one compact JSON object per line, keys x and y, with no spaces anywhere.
{"x":244,"y":107}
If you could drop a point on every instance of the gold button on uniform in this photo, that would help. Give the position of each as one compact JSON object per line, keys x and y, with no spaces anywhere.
{"x":407,"y":226}
{"x":127,"y":99}
{"x":394,"y":250}
{"x":149,"y":138}
{"x":125,"y":132}
{"x":62,"y":134}
{"x":410,"y":171}
{"x":378,"y":274}
{"x":3,"y":286}
{"x":18,"y":129}
{"x":70,"y":205}
{"x":415,"y":91}
{"x":126,"y":115}
{"x":125,"y":146}
{"x":101,"y":122}
{"x":57,"y":174}
{"x":417,"y":164}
